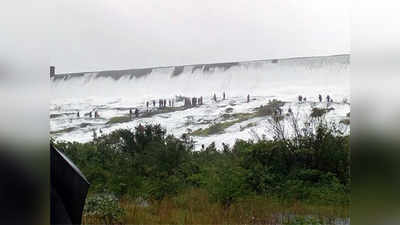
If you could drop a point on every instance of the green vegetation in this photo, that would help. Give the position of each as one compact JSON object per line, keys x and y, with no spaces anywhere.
{"x":248,"y":126}
{"x":119,"y":119}
{"x":55,"y":115}
{"x":163,"y":110}
{"x":65,"y":130}
{"x":104,"y":209}
{"x":345,"y":121}
{"x":229,"y":110}
{"x":249,"y":181}
{"x":319,"y":112}
{"x":271,"y":108}
{"x":83,"y":125}
{"x":218,"y":128}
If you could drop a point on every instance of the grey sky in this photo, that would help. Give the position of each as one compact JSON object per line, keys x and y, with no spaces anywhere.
{"x":76,"y":35}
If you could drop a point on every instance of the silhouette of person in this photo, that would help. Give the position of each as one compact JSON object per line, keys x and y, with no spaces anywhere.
{"x":248,"y":98}
{"x":223,"y":95}
{"x":137,"y":112}
{"x":320,"y":98}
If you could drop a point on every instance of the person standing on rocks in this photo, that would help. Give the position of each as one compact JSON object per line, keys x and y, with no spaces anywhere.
{"x":300,"y":98}
{"x":137,"y":112}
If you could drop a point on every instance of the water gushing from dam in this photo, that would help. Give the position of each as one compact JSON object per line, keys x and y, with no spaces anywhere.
{"x":284,"y":77}
{"x":113,"y":93}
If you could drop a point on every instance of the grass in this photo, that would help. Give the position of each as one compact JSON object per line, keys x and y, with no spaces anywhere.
{"x":83,"y":125}
{"x":218,"y":128}
{"x":124,"y":119}
{"x":270,"y":108}
{"x":119,"y":119}
{"x":318,"y":112}
{"x":248,"y":126}
{"x":55,"y":115}
{"x":194,"y":207}
{"x":229,"y":110}
{"x":345,"y":121}
{"x":66,"y":130}
{"x":163,"y":110}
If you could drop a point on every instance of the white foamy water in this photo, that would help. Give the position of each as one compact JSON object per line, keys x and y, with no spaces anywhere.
{"x":112,"y":93}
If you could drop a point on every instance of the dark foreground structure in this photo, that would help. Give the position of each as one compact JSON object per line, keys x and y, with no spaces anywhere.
{"x":69,"y":188}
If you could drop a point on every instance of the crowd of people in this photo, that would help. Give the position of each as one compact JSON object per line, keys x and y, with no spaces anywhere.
{"x":187,"y":102}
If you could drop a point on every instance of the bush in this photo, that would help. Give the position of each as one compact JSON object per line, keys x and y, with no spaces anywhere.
{"x":271,"y":108}
{"x":345,"y":121}
{"x":146,"y":163}
{"x":227,"y":184}
{"x":119,"y":119}
{"x":104,"y":207}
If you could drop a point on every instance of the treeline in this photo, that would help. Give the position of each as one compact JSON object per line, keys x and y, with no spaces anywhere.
{"x":147,"y":163}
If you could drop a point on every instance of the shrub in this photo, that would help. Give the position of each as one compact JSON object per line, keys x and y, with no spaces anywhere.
{"x":227,"y":184}
{"x":119,"y":119}
{"x":104,"y":207}
{"x":229,"y":110}
{"x":269,"y":109}
{"x":345,"y":121}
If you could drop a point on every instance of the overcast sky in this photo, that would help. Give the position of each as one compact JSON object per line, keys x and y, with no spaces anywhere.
{"x":86,"y":35}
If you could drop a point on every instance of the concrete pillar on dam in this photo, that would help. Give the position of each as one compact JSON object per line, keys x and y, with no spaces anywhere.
{"x":52,"y":71}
